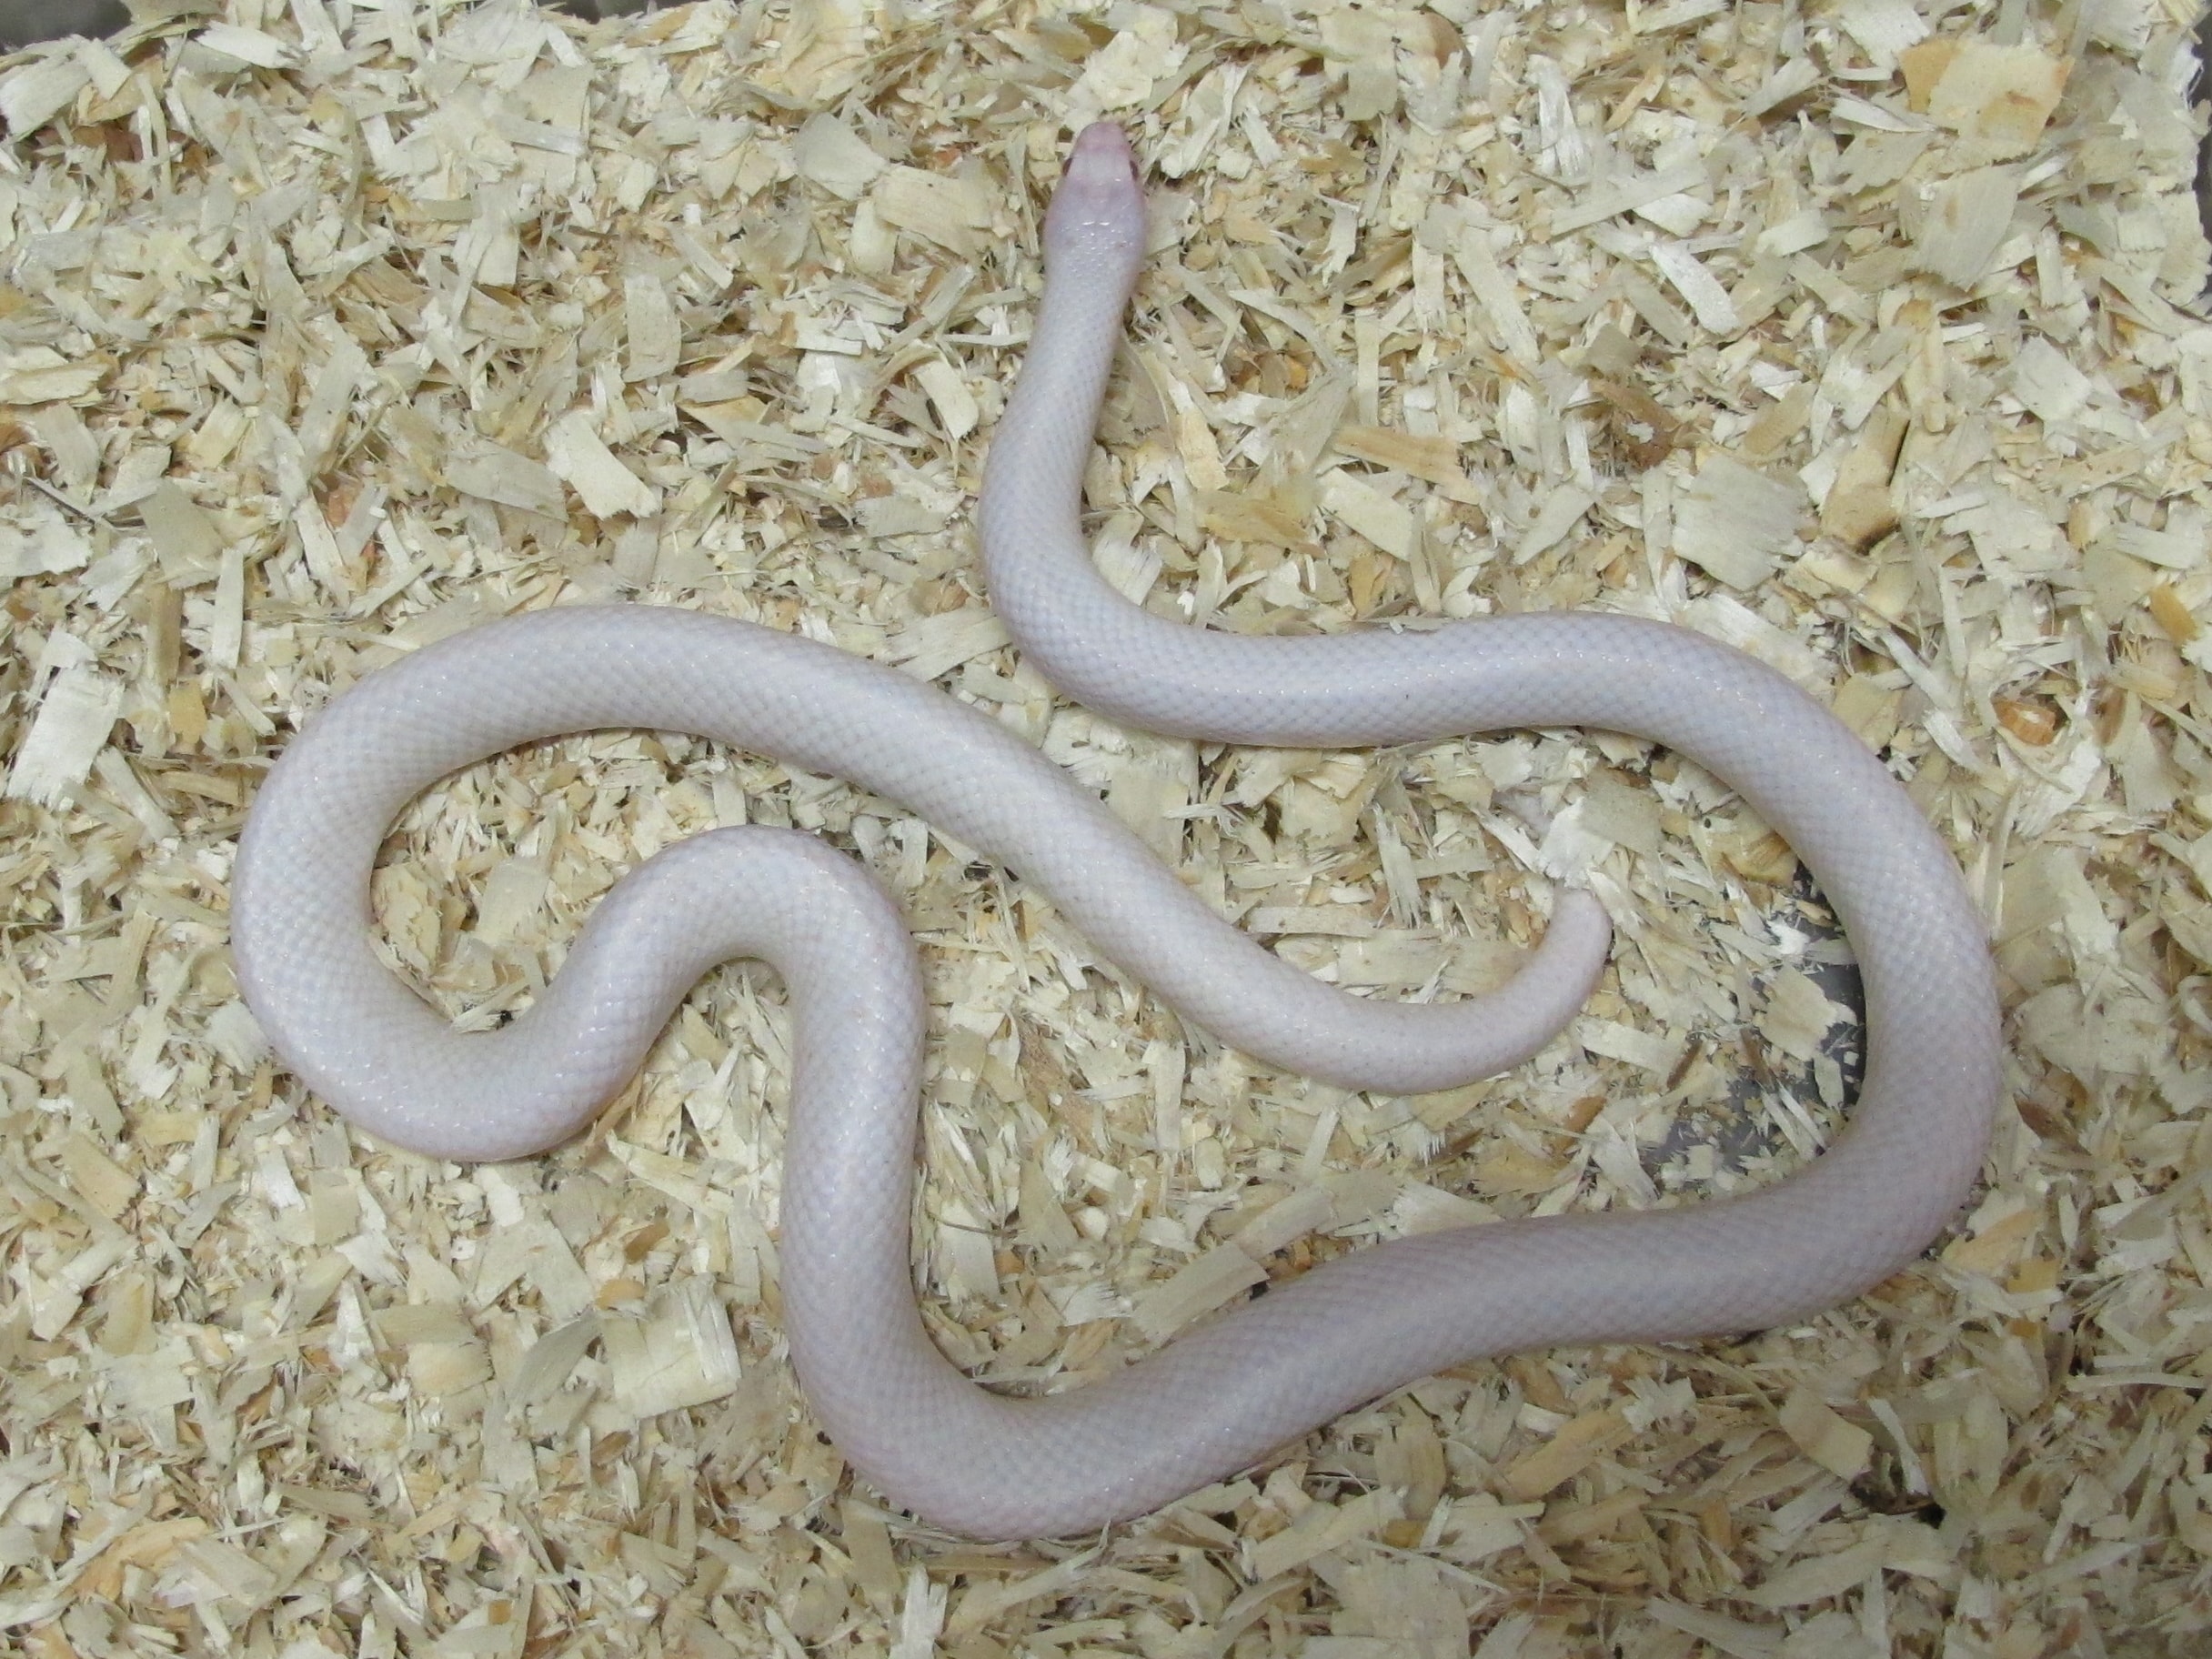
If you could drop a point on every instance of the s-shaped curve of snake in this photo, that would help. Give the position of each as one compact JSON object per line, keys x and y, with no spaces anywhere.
{"x":1229,"y":1391}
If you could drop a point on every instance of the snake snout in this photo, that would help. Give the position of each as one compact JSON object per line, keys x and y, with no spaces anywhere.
{"x":1099,"y":205}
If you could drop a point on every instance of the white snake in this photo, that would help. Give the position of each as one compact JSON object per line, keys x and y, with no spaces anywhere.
{"x":1232,"y":1391}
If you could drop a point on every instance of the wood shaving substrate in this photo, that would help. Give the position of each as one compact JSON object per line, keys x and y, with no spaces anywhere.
{"x":1857,"y":333}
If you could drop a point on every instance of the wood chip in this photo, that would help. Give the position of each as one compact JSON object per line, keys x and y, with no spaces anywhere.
{"x":1736,"y":522}
{"x":74,"y":716}
{"x":577,"y":456}
{"x":1840,"y":1447}
{"x":2002,"y":95}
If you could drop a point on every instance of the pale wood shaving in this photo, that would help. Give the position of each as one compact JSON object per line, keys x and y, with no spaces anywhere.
{"x":1862,"y":334}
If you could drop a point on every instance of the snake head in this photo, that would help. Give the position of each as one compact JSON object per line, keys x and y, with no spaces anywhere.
{"x":1097,"y":217}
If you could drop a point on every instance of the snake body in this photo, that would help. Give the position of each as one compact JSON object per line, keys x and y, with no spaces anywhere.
{"x":1228,"y":1393}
